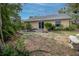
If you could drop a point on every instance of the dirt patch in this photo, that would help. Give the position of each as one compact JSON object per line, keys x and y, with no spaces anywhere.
{"x":47,"y":44}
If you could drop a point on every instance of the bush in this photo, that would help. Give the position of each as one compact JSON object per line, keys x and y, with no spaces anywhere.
{"x":28,"y":26}
{"x":49,"y":26}
{"x":71,"y":27}
{"x":8,"y":50}
{"x":59,"y":27}
{"x":23,"y":25}
{"x":17,"y":49}
{"x":77,"y":26}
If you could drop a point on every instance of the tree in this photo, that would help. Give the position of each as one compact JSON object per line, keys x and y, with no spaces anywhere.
{"x":1,"y":34}
{"x":72,"y":9}
{"x":62,"y":10}
{"x":8,"y":14}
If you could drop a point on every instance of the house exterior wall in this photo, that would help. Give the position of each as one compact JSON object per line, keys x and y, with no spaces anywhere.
{"x":35,"y":24}
{"x":50,"y":21}
{"x":65,"y":23}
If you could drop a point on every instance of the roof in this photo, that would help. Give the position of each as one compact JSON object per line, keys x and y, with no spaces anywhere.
{"x":49,"y":17}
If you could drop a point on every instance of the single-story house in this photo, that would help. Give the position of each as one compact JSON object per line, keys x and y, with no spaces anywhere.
{"x":38,"y":22}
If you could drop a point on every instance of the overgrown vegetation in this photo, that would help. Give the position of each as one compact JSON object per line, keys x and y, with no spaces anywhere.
{"x":49,"y":26}
{"x":72,"y":10}
{"x":10,"y":20}
{"x":10,"y":23}
{"x":28,"y":26}
{"x":71,"y":27}
{"x":77,"y":26}
{"x":17,"y":49}
{"x":57,"y":28}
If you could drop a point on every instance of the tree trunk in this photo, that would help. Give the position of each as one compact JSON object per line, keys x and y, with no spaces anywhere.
{"x":1,"y":32}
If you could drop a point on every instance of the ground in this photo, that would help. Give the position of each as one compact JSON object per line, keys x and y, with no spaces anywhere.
{"x":48,"y":44}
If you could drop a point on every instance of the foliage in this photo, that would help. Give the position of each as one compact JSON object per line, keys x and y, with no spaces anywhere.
{"x":8,"y":50}
{"x":59,"y":27}
{"x":62,"y":11}
{"x":10,"y":19}
{"x":49,"y":26}
{"x":17,"y":49}
{"x":77,"y":26}
{"x":20,"y":47}
{"x":23,"y":25}
{"x":71,"y":27}
{"x":72,"y":10}
{"x":28,"y":26}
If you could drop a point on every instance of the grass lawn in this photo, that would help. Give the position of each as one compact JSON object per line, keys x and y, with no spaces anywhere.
{"x":51,"y":43}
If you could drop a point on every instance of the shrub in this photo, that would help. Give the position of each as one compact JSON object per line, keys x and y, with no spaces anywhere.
{"x":8,"y":50}
{"x":77,"y":25}
{"x":59,"y":27}
{"x":23,"y":25}
{"x":17,"y":49}
{"x":49,"y":26}
{"x":71,"y":27}
{"x":28,"y":26}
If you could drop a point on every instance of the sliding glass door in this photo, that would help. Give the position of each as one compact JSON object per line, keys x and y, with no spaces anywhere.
{"x":41,"y":24}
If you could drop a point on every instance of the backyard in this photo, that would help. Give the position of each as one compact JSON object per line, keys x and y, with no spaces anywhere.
{"x":21,"y":32}
{"x":47,"y":44}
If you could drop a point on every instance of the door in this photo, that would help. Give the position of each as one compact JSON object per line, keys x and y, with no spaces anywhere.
{"x":41,"y":24}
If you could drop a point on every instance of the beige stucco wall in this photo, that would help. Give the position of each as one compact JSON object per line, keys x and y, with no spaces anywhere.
{"x":35,"y":24}
{"x":50,"y":21}
{"x":65,"y":23}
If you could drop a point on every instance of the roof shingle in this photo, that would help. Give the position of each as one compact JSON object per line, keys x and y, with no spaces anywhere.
{"x":49,"y":17}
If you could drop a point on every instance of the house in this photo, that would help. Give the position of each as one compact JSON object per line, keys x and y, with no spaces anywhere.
{"x":38,"y":22}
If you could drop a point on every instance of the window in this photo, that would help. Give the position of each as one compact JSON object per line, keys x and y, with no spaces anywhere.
{"x":57,"y":25}
{"x":58,"y":22}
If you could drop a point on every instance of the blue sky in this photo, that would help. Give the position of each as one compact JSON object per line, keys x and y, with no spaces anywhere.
{"x":40,"y":9}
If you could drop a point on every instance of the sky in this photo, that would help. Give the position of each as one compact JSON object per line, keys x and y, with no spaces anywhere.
{"x":40,"y":9}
